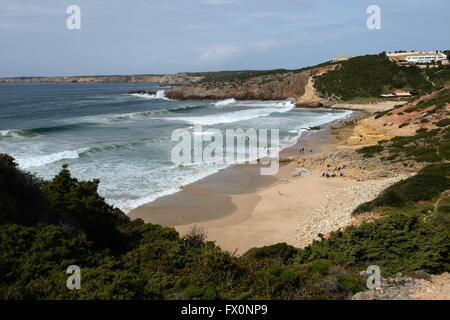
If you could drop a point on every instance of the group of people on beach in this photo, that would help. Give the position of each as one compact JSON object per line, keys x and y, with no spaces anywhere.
{"x":333,"y":174}
{"x":302,"y":150}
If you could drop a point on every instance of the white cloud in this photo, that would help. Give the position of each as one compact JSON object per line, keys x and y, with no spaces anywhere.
{"x":220,"y":52}
{"x":225,"y":52}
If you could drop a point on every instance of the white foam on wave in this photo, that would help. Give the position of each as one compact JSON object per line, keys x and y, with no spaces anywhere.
{"x":196,"y":172}
{"x":326,"y":118}
{"x":160,"y":94}
{"x":241,"y":115}
{"x":17,"y":133}
{"x":42,"y":160}
{"x":225,"y":102}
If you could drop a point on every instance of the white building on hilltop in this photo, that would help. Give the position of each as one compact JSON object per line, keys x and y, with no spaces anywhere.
{"x":341,"y":58}
{"x":417,"y":57}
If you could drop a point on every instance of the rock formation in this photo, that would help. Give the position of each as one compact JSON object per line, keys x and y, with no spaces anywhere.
{"x":279,"y":85}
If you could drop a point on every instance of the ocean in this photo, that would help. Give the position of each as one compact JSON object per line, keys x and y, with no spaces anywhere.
{"x":123,"y":139}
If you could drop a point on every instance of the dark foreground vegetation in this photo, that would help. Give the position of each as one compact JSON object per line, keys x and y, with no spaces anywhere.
{"x":45,"y":226}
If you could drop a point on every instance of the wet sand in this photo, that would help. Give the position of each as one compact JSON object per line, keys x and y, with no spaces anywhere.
{"x":240,"y":209}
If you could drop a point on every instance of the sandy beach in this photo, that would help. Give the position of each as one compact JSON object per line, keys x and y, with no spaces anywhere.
{"x":240,"y":209}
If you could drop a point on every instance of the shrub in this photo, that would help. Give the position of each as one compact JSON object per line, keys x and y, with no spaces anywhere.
{"x":370,"y":151}
{"x":318,"y":267}
{"x":275,"y":270}
{"x":444,"y":150}
{"x":398,"y":242}
{"x":349,"y":284}
{"x":289,"y":277}
{"x":443,"y":123}
{"x":193,"y":292}
{"x":195,"y":237}
{"x":428,"y":183}
{"x":211,"y":294}
{"x":280,"y":252}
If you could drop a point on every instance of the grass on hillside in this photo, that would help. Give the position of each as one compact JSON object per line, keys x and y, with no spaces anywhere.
{"x":370,"y":76}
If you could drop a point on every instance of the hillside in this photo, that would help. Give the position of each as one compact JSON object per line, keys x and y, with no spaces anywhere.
{"x":370,"y":76}
{"x":428,"y":112}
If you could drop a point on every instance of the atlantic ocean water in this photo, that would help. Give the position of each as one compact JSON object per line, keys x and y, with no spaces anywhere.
{"x":124,"y":140}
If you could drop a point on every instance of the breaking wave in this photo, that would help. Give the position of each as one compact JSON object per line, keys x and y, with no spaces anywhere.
{"x":42,"y":160}
{"x":224,"y":102}
{"x":160,"y":94}
{"x":241,"y":115}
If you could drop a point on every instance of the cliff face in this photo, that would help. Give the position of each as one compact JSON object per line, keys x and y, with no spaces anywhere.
{"x":273,"y":86}
{"x":175,"y":79}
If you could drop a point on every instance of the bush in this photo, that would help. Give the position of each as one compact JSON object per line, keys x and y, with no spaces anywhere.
{"x":443,"y":123}
{"x":318,"y":267}
{"x":428,"y":183}
{"x":370,"y":151}
{"x":275,"y":270}
{"x":444,"y":150}
{"x":195,"y":237}
{"x":400,"y":242}
{"x":349,"y":284}
{"x":280,"y":253}
{"x":193,"y":292}
{"x":289,"y":277}
{"x":211,"y":294}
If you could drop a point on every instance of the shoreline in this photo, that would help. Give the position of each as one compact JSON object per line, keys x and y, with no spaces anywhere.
{"x":239,"y":209}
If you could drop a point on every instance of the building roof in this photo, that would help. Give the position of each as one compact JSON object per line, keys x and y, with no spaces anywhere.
{"x":403,"y":55}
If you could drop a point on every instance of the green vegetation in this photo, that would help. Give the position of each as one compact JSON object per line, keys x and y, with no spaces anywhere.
{"x":45,"y":226}
{"x":400,"y":242}
{"x":410,"y":236}
{"x":426,"y":185}
{"x":427,"y":146}
{"x":370,"y":76}
{"x":242,"y":75}
{"x":370,"y":151}
{"x":439,"y":100}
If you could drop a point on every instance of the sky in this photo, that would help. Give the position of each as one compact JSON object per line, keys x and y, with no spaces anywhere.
{"x":167,"y":36}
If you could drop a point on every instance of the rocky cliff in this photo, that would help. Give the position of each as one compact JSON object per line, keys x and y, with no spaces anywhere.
{"x":176,"y":79}
{"x":277,"y":85}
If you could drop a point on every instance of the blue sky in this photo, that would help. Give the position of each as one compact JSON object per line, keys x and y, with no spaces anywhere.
{"x":149,"y":36}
